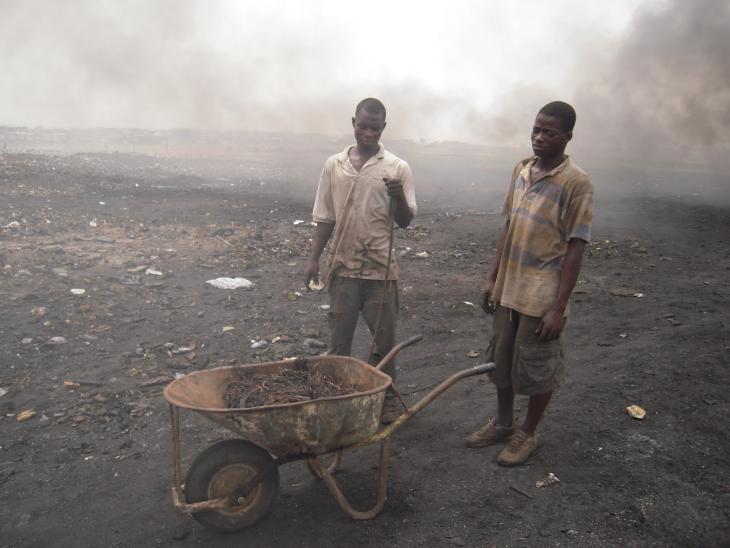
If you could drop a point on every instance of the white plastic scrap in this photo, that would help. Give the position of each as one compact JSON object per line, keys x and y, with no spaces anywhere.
{"x":231,"y":283}
{"x":152,"y":271}
{"x":78,"y":291}
{"x":259,"y":344}
{"x":551,"y":479}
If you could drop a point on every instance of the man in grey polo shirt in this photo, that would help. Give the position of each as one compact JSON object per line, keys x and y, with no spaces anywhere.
{"x":362,"y":191}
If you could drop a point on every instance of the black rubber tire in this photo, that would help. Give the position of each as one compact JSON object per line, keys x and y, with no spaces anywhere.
{"x":217,"y":471}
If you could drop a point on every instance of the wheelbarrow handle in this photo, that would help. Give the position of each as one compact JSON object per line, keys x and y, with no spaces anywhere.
{"x":482,"y":368}
{"x":427,"y":399}
{"x":397,"y":348}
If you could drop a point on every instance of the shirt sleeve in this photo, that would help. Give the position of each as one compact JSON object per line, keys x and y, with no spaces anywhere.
{"x":408,"y":189}
{"x":578,"y":216}
{"x":506,"y":210}
{"x":324,"y":209}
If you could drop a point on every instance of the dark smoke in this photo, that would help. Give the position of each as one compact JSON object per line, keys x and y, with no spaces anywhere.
{"x":669,"y":82}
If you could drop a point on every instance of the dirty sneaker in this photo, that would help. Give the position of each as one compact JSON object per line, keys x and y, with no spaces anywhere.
{"x":488,"y":434}
{"x":520,"y":446}
{"x":392,"y":409}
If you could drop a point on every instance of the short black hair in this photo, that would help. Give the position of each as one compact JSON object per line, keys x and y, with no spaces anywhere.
{"x":562,"y":111}
{"x":371,"y":105}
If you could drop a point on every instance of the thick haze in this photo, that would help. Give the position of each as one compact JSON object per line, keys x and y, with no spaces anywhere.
{"x":641,"y":74}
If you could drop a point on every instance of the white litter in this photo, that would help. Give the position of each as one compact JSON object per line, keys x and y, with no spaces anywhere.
{"x":299,"y":222}
{"x":551,"y":479}
{"x":231,"y":283}
{"x":259,"y":344}
{"x":2,"y":392}
{"x":153,"y":272}
{"x":78,"y":291}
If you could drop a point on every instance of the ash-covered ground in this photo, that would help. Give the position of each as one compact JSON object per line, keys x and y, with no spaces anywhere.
{"x":140,"y":233}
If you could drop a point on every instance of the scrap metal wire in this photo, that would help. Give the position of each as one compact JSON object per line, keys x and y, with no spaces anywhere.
{"x":287,"y":386}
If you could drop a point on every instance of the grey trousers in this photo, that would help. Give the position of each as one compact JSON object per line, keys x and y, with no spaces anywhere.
{"x":351,"y":296}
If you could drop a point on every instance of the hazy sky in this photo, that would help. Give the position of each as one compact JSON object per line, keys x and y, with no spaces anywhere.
{"x":463,"y":70}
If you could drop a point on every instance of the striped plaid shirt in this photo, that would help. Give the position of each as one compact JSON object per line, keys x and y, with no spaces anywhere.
{"x":544,"y":216}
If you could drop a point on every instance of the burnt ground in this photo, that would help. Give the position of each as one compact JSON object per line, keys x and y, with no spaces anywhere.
{"x":92,"y":467}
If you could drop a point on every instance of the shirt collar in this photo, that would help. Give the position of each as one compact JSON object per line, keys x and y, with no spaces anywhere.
{"x":345,"y":154}
{"x":525,"y":171}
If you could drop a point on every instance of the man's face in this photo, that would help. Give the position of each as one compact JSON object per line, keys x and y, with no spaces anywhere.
{"x":549,"y":139}
{"x":368,"y":128}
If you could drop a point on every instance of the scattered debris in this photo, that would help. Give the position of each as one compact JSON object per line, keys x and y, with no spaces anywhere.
{"x":472,"y":354}
{"x":623,"y":335}
{"x":551,"y":479}
{"x":636,"y":412}
{"x":162,"y":379}
{"x":622,"y":292}
{"x":520,"y":491}
{"x":25,"y":415}
{"x":261,"y":343}
{"x":153,"y":272}
{"x":78,"y":291}
{"x":423,"y":254}
{"x":231,"y":283}
{"x":3,"y":391}
{"x":38,"y":312}
{"x":318,"y":286}
{"x":55,"y":341}
{"x":315,"y":343}
{"x":227,"y":328}
{"x":26,"y":340}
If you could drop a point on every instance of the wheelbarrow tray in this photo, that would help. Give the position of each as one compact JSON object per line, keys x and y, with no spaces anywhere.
{"x":311,"y":427}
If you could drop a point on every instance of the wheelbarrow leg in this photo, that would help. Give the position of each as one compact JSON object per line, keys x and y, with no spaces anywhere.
{"x":177,"y":488}
{"x":336,"y":490}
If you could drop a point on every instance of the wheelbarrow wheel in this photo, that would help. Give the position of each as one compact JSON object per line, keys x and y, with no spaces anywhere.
{"x":222,"y":470}
{"x":331,"y":467}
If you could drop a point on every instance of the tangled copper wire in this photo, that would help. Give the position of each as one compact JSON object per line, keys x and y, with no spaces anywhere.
{"x":302,"y":383}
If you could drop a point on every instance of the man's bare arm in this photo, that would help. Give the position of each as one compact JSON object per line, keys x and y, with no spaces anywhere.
{"x":553,"y":322}
{"x":322,"y":234}
{"x":485,"y":295}
{"x":402,"y":214}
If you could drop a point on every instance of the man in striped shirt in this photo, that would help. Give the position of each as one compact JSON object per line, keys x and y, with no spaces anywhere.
{"x":548,"y":211}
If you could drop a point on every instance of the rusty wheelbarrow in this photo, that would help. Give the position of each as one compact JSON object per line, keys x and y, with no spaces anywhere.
{"x":232,"y":484}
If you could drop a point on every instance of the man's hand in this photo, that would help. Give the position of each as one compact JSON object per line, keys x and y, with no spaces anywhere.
{"x":551,"y":325}
{"x":311,"y":272}
{"x":485,"y":296}
{"x":394,"y":187}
